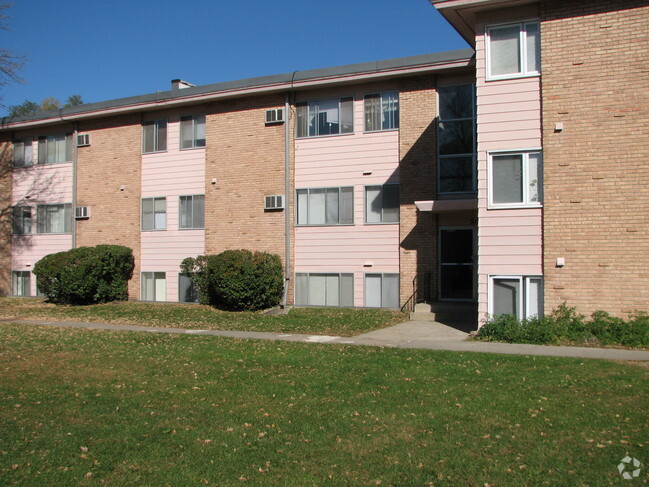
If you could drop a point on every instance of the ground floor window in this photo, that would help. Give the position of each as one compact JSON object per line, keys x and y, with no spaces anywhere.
{"x":154,"y":286}
{"x":520,"y":296}
{"x":21,"y":283}
{"x":382,"y":290}
{"x":324,"y":289}
{"x":187,"y":292}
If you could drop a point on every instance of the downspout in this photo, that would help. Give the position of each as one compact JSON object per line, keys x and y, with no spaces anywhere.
{"x":287,"y":200}
{"x":74,"y":184}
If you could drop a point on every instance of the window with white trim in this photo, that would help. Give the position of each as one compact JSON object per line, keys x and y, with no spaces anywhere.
{"x":381,"y":111}
{"x":456,"y":139}
{"x":153,"y":286}
{"x":187,"y":293}
{"x":192,"y":211}
{"x":21,"y":283}
{"x":22,"y":220}
{"x":325,"y":206}
{"x":192,"y":131}
{"x":23,"y":153}
{"x":315,"y":289}
{"x":154,"y":213}
{"x":520,"y":296}
{"x":56,"y":148}
{"x":515,"y":179}
{"x":325,"y":117}
{"x":382,"y":204}
{"x":54,"y":218}
{"x":154,"y":136}
{"x":513,"y":50}
{"x":382,"y":290}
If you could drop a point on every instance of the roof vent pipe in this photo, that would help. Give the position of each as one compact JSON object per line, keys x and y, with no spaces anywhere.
{"x":179,"y":84}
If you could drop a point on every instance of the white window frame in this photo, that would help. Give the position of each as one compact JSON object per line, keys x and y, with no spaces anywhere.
{"x":154,"y":226}
{"x":157,"y":145}
{"x":382,"y":276}
{"x":156,"y":276}
{"x":191,"y":198}
{"x":471,"y":155}
{"x":343,"y":301}
{"x":22,"y":220}
{"x":196,"y":125}
{"x":382,"y":188}
{"x":522,"y":72}
{"x":25,"y":149}
{"x":300,"y":223}
{"x":305,"y":110}
{"x":49,"y":151}
{"x":524,"y":297}
{"x":43,"y":222}
{"x":525,"y":155}
{"x":388,"y":108}
{"x":21,"y":282}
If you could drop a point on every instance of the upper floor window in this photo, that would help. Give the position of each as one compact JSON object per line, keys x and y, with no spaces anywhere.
{"x":55,"y":148}
{"x":154,"y":136}
{"x":513,"y":50}
{"x":456,"y":139}
{"x":382,"y":204}
{"x":325,"y":117}
{"x":516,"y":179}
{"x":154,"y":213}
{"x":23,"y":153}
{"x":192,"y":211}
{"x":382,"y":111}
{"x":325,"y":206}
{"x":22,"y":220}
{"x":54,"y":218}
{"x":192,"y":131}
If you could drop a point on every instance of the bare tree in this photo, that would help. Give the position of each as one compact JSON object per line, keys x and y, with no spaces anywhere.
{"x":10,"y":62}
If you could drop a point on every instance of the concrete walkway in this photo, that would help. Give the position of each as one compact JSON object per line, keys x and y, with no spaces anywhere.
{"x":411,"y":334}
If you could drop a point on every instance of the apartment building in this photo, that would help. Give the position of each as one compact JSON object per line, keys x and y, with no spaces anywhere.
{"x":506,"y":178}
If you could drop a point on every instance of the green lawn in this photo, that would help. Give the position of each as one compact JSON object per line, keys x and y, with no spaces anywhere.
{"x":90,"y":407}
{"x":323,"y":321}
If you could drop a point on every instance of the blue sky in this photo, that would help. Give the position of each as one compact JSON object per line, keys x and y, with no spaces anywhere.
{"x":106,"y":49}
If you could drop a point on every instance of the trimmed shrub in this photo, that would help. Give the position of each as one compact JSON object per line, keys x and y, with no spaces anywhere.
{"x":86,"y":275}
{"x":237,"y":280}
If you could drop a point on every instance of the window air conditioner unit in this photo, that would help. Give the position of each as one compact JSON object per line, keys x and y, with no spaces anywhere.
{"x":276,"y":115}
{"x":83,"y":140}
{"x":275,"y":202}
{"x":82,"y":212}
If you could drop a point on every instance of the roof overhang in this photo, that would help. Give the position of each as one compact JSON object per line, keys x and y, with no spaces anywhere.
{"x":446,"y":206}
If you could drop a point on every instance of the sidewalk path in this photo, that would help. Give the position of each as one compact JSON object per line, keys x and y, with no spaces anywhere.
{"x":411,"y":334}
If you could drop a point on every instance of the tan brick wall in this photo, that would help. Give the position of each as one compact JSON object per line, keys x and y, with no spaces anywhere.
{"x":5,"y":214}
{"x":418,"y":180}
{"x":596,"y":171}
{"x":112,"y":160}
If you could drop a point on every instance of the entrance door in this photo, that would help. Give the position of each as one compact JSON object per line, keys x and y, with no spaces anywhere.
{"x":456,"y":264}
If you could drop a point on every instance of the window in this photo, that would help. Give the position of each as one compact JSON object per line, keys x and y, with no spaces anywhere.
{"x":520,"y":296}
{"x":23,"y":154}
{"x":382,"y":204}
{"x":54,"y":218}
{"x":325,"y":117}
{"x":516,"y":179}
{"x":192,"y":131}
{"x":154,"y":286}
{"x":154,"y":213}
{"x":55,"y":148}
{"x":513,"y":50}
{"x":22,"y":220}
{"x":382,"y":290}
{"x":324,"y":290}
{"x":154,"y":136}
{"x":382,"y":111}
{"x":21,"y":283}
{"x":187,"y":293}
{"x":325,"y":206}
{"x":192,"y":211}
{"x":456,"y":139}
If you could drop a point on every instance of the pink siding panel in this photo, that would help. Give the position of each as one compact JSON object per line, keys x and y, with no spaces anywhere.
{"x":51,"y":183}
{"x":29,"y":249}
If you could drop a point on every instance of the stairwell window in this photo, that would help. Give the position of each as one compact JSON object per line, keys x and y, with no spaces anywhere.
{"x":325,"y":206}
{"x":153,"y":286}
{"x":22,"y":220}
{"x":192,"y":131}
{"x":382,"y":111}
{"x":515,"y":179}
{"x":53,"y":149}
{"x":519,"y":296}
{"x":192,"y":211}
{"x":23,"y":153}
{"x":314,"y":289}
{"x":55,"y":219}
{"x":325,"y":117}
{"x":513,"y":50}
{"x":382,"y":204}
{"x":154,"y":136}
{"x":154,"y":213}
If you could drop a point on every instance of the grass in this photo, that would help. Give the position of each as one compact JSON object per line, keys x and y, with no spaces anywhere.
{"x":322,"y":321}
{"x":89,"y":407}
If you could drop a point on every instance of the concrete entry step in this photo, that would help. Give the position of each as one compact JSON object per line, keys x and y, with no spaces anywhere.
{"x":459,"y":315}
